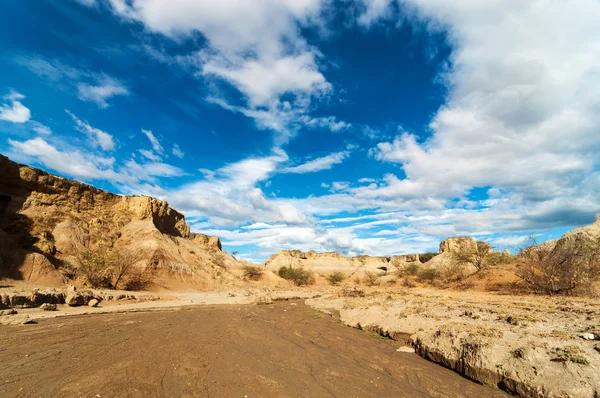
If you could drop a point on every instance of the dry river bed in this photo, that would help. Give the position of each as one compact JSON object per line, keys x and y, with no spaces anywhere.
{"x":281,"y":350}
{"x":527,"y":345}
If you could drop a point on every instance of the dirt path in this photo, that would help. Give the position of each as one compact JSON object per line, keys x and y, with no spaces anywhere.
{"x":280,"y":350}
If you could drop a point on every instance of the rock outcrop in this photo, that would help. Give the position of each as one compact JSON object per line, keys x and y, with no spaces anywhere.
{"x":46,"y":220}
{"x":332,"y":261}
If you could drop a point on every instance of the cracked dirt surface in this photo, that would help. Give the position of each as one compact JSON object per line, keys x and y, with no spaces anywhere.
{"x":280,"y":350}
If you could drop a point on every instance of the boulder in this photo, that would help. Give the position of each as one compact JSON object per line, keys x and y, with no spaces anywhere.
{"x":457,"y":244}
{"x":74,"y":299}
{"x":8,"y":312}
{"x":20,"y":301}
{"x":48,"y":307}
{"x":264,"y":299}
{"x":93,"y":303}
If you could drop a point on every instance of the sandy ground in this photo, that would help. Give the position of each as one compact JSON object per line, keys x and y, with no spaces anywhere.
{"x":529,"y":345}
{"x":280,"y":350}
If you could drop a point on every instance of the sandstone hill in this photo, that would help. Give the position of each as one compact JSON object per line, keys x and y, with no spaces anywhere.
{"x":46,"y":222}
{"x":332,"y":261}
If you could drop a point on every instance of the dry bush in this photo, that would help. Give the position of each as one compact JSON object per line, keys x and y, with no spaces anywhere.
{"x":408,"y":282}
{"x":450,"y":272}
{"x":124,"y":265}
{"x":253,"y":273}
{"x":427,"y":275}
{"x":475,"y":256}
{"x":369,"y":278}
{"x":299,"y":276}
{"x":494,"y":259}
{"x":335,"y":278}
{"x":96,"y":267}
{"x":567,"y":269}
{"x":411,"y":269}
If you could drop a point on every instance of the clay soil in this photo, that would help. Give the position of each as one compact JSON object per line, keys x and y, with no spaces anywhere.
{"x":280,"y":350}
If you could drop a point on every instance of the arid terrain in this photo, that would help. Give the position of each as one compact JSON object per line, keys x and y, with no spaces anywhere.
{"x":107,"y":295}
{"x":280,"y":350}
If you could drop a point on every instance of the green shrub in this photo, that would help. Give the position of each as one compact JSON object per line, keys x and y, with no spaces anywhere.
{"x":299,"y":276}
{"x":335,"y":278}
{"x":253,"y":273}
{"x":427,"y":256}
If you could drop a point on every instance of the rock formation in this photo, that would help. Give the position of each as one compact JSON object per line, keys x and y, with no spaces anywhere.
{"x":332,"y":261}
{"x":46,"y":220}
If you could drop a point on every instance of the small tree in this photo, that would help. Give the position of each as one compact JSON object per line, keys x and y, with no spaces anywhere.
{"x":335,"y":278}
{"x":96,"y":267}
{"x":124,"y":264}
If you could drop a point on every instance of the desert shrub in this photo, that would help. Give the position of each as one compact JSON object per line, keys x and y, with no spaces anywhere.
{"x":427,"y":256}
{"x":408,"y":282}
{"x":450,"y":271}
{"x":427,"y":275}
{"x":411,"y":269}
{"x":370,"y":278}
{"x":299,"y":276}
{"x":566,"y":269}
{"x":475,"y":256}
{"x":95,"y":267}
{"x":335,"y":278}
{"x":497,"y":258}
{"x":253,"y":273}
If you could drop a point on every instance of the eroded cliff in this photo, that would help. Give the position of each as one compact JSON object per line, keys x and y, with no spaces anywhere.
{"x":46,"y":221}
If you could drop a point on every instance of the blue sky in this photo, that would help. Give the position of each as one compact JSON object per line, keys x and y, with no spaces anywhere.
{"x":361,"y":126}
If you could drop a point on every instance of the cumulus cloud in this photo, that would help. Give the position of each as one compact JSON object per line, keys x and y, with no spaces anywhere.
{"x":97,"y":136}
{"x":14,"y":111}
{"x":257,"y":47}
{"x":520,"y":114}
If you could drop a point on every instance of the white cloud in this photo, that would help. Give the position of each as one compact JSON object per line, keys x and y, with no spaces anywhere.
{"x":177,"y":151}
{"x":72,"y":162}
{"x":329,"y":122}
{"x":147,"y":171}
{"x":373,"y":10}
{"x":511,"y":240}
{"x":520,"y":116}
{"x":257,"y":47}
{"x":90,"y":86}
{"x":97,"y":136}
{"x":41,"y":129}
{"x":15,"y":111}
{"x":50,"y":70}
{"x":149,"y":155}
{"x":264,"y":81}
{"x":101,"y":91}
{"x":153,"y":140}
{"x":318,"y":164}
